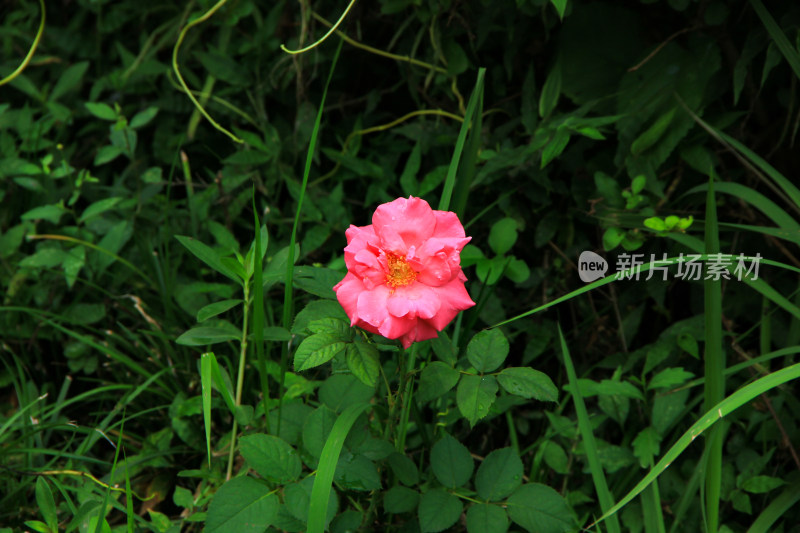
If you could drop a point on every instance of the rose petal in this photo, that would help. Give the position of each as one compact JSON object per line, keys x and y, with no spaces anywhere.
{"x":394,"y":327}
{"x":371,"y":305}
{"x":421,"y":332}
{"x":412,"y":219}
{"x":448,"y":225}
{"x":347,"y":292}
{"x":454,"y":298}
{"x":412,"y":301}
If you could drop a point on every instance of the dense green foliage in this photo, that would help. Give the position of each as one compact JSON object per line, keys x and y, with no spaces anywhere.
{"x":165,"y":368}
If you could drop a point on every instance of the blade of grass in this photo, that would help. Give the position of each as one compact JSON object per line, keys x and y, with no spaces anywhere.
{"x":585,"y":427}
{"x":287,"y":292}
{"x":258,"y":309}
{"x":320,"y":492}
{"x":452,"y":170}
{"x":790,"y":193}
{"x":103,"y":508}
{"x":757,"y":200}
{"x":741,"y":397}
{"x":787,"y":499}
{"x":778,"y":37}
{"x":468,"y":168}
{"x":714,"y":365}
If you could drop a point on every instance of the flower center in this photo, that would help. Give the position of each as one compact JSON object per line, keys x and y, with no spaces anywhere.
{"x":399,"y":272}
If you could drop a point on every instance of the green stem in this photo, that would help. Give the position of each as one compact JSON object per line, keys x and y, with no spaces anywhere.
{"x":407,"y":388}
{"x":239,"y":378}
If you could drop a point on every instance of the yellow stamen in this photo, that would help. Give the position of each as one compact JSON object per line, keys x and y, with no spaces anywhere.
{"x":399,"y":272}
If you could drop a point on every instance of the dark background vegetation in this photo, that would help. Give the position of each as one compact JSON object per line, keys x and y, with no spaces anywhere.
{"x":565,"y":103}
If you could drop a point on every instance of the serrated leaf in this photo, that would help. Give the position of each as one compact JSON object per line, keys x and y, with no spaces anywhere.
{"x":528,"y":383}
{"x":487,"y":350}
{"x":400,"y":499}
{"x":540,"y":509}
{"x":271,"y":457}
{"x":646,"y":446}
{"x":762,"y":484}
{"x":486,"y":518}
{"x":499,"y":475}
{"x":362,"y":360}
{"x":436,"y":379}
{"x":475,"y":395}
{"x":451,"y":462}
{"x":404,"y":468}
{"x":438,"y":510}
{"x":316,"y":350}
{"x":243,"y":505}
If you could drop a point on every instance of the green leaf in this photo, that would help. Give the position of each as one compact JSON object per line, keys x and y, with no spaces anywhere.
{"x":451,"y":462}
{"x":670,"y":377}
{"x":271,"y":457}
{"x":762,"y":484}
{"x":651,"y":136}
{"x":561,"y":6}
{"x":404,"y":468}
{"x":46,"y":503}
{"x":646,"y":446}
{"x":208,"y":256}
{"x":142,"y":118}
{"x":52,"y":213}
{"x":101,"y":110}
{"x":655,"y":223}
{"x":316,"y":350}
{"x":98,"y":207}
{"x":517,"y":270}
{"x":475,"y":395}
{"x":487,"y":350}
{"x":204,"y":335}
{"x":242,"y":505}
{"x":540,"y":509}
{"x":400,"y":499}
{"x":528,"y":383}
{"x":503,"y":235}
{"x":486,"y":518}
{"x":217,"y":308}
{"x":362,"y":360}
{"x":436,"y":379}
{"x":106,"y":154}
{"x":316,"y":429}
{"x":499,"y":475}
{"x":438,"y":510}
{"x":182,"y":497}
{"x":357,"y":472}
{"x":408,"y":179}
{"x":68,"y":80}
{"x":612,"y":237}
{"x":551,"y":91}
{"x":555,"y":147}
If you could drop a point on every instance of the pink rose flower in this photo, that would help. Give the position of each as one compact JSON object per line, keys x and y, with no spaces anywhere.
{"x":404,"y":277}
